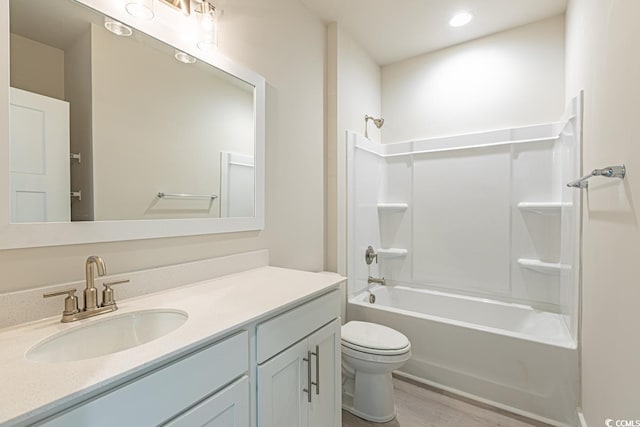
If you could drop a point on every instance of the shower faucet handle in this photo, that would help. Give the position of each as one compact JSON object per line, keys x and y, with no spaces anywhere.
{"x":370,"y":255}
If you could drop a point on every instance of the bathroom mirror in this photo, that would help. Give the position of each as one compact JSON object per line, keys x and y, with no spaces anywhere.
{"x":117,"y":137}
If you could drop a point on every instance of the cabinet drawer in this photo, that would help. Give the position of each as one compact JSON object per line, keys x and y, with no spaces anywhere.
{"x":290,"y":327}
{"x":227,"y":408}
{"x":155,"y":398}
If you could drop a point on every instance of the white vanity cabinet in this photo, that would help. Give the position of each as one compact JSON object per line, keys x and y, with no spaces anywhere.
{"x":190,"y":384}
{"x":300,"y":385}
{"x":281,"y":368}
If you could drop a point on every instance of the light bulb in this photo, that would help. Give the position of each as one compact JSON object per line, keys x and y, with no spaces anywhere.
{"x":209,"y":25}
{"x":208,"y":43}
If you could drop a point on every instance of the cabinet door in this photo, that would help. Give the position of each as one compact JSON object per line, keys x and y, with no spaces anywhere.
{"x":227,"y":408}
{"x":325,"y":407}
{"x":281,"y":380}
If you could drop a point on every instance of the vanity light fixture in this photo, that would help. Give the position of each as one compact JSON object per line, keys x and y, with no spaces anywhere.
{"x":207,"y":15}
{"x":116,"y":27}
{"x":460,"y":19}
{"x":183,"y":5}
{"x":142,"y":9}
{"x":184,"y":57}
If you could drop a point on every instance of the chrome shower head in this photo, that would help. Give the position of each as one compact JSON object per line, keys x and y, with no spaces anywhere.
{"x":378,"y":122}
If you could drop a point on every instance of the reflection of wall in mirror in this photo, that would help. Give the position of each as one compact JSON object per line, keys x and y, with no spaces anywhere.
{"x":77,"y":88}
{"x":65,"y":75}
{"x":157,"y":124}
{"x":37,"y":67}
{"x":176,"y":125}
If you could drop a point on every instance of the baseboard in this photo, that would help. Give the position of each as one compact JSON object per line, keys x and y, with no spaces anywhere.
{"x":581,"y":418}
{"x":482,"y":401}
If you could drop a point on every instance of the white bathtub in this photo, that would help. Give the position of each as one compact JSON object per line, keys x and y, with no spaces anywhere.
{"x":509,"y":355}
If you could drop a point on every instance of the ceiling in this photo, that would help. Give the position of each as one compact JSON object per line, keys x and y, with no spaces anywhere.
{"x":58,"y":25}
{"x":394,"y":30}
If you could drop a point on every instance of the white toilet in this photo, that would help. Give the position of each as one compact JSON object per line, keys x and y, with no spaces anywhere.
{"x":369,"y":353}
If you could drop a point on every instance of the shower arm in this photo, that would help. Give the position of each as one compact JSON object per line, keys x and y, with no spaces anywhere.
{"x":377,"y":122}
{"x":366,"y":125}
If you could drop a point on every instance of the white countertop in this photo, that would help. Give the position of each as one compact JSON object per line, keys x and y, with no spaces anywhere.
{"x":215,"y":307}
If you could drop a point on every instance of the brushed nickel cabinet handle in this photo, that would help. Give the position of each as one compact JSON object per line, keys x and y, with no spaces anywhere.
{"x":317,"y":383}
{"x":308,"y":390}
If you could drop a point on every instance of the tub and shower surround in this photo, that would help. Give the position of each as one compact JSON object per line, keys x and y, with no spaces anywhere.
{"x":485,"y":222}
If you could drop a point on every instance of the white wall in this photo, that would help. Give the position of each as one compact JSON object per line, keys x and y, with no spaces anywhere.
{"x":353,"y":90}
{"x":466,"y":233}
{"x":281,"y":40}
{"x":509,"y":79}
{"x":36,"y":67}
{"x":77,"y":90}
{"x":603,"y":58}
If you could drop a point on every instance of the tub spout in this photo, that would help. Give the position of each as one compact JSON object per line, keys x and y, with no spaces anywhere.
{"x":380,"y":281}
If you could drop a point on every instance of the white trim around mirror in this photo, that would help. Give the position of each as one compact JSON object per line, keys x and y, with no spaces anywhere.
{"x":55,"y":234}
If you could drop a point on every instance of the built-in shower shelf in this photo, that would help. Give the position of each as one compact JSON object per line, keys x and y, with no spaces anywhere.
{"x":543,"y":267}
{"x":544,"y":208}
{"x":393,"y":207}
{"x":392,"y":252}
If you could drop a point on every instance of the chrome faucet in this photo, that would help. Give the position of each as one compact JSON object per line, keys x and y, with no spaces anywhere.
{"x":90,"y":292}
{"x":91,"y":308}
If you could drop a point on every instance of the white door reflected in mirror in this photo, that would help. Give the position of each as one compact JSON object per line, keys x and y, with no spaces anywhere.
{"x":39,"y":142}
{"x":236,"y":185}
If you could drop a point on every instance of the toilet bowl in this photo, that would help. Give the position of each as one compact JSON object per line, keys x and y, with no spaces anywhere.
{"x":370,"y":352}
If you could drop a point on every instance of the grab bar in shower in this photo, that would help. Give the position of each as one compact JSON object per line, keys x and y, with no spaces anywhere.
{"x":187,"y":196}
{"x":609,"y":172}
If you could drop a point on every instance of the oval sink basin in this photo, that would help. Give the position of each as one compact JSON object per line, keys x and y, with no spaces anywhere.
{"x":108,"y":336}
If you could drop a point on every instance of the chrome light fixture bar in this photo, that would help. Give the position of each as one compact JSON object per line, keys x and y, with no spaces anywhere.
{"x":183,"y":5}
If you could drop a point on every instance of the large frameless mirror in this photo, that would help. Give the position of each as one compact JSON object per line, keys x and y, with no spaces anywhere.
{"x":110,"y":125}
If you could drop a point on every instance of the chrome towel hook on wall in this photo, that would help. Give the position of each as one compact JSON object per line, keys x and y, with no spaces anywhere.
{"x":609,"y":172}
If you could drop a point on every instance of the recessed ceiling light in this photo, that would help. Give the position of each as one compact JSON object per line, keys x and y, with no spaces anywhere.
{"x":183,"y":57}
{"x":117,"y":28}
{"x":460,"y":19}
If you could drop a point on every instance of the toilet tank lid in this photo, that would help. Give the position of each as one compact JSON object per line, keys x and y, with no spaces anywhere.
{"x":372,"y":335}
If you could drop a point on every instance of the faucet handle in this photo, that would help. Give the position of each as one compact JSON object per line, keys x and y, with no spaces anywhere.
{"x":70,"y":302}
{"x":370,"y":255}
{"x":107,"y":292}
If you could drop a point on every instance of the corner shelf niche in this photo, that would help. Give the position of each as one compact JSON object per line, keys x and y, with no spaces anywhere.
{"x":542,"y":267}
{"x":392,"y":253}
{"x":392,"y":207}
{"x":543,"y":208}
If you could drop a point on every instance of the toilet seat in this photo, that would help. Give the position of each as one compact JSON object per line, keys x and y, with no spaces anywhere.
{"x":377,"y":358}
{"x":374,"y":339}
